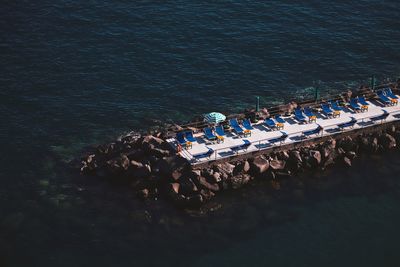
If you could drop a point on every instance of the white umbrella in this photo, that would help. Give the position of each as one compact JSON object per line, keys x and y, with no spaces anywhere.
{"x":214,"y":117}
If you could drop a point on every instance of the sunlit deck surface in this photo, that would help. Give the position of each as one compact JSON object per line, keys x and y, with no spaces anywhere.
{"x":262,"y":137}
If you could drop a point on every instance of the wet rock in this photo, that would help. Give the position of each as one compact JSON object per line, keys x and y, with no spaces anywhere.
{"x":347,"y":162}
{"x":207,"y":194}
{"x":176,"y":174}
{"x":142,"y":171}
{"x":259,"y":165}
{"x":169,"y":164}
{"x":158,"y":152}
{"x":187,"y":187}
{"x":216,"y":177}
{"x":202,"y":182}
{"x":136,"y":155}
{"x":174,"y":188}
{"x":242,"y":167}
{"x":351,"y":155}
{"x":225,"y":167}
{"x":144,"y":193}
{"x":277,"y":164}
{"x":315,"y":157}
{"x":239,"y":180}
{"x":195,"y":173}
{"x":348,"y":144}
{"x":195,"y":201}
{"x":135,"y":164}
{"x":283,"y":155}
{"x":295,"y":160}
{"x":374,"y":147}
{"x":207,"y":173}
{"x":387,"y":141}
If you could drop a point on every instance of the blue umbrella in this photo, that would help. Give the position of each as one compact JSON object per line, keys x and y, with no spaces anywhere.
{"x":214,"y":117}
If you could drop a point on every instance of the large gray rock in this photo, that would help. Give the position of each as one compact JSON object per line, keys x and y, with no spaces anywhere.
{"x":202,"y":182}
{"x":387,"y":141}
{"x":242,"y":167}
{"x":225,"y":167}
{"x":259,"y":165}
{"x":315,"y":157}
{"x":277,"y":164}
{"x":347,"y":162}
{"x":238,"y":181}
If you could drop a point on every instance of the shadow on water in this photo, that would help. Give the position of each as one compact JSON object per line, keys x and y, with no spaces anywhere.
{"x":84,"y":221}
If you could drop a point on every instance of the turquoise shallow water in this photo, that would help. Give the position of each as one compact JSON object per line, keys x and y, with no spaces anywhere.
{"x":81,"y":73}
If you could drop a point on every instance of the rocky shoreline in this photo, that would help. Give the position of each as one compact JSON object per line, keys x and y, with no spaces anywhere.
{"x":152,"y":168}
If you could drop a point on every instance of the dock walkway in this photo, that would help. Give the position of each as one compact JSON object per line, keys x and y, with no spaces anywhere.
{"x":262,"y":138}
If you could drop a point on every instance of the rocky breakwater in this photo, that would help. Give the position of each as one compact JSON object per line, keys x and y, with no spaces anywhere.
{"x":152,"y":168}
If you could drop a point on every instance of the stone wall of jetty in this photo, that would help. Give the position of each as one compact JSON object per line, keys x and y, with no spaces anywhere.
{"x":150,"y":166}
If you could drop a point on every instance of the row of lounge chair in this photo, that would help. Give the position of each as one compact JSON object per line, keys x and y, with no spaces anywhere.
{"x":387,"y":97}
{"x":330,"y":109}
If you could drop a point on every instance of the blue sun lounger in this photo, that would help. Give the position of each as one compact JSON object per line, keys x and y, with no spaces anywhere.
{"x":349,"y":124}
{"x":385,"y":100}
{"x":244,"y":146}
{"x":388,"y":92}
{"x":315,"y":131}
{"x":298,"y":114}
{"x":354,"y":105}
{"x":236,"y":127}
{"x":247,"y":125}
{"x":327,"y":110}
{"x":279,"y":119}
{"x":281,"y":139}
{"x":381,"y":117}
{"x":335,"y":106}
{"x":362,"y":101}
{"x":189,"y":136}
{"x":207,"y":154}
{"x":180,"y":137}
{"x":219,"y":130}
{"x":270,"y":123}
{"x":310,"y":114}
{"x":209,"y":134}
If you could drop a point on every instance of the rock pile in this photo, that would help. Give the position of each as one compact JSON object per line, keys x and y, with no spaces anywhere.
{"x":152,"y":168}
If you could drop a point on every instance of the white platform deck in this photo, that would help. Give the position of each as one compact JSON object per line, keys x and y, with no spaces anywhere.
{"x":261,"y":135}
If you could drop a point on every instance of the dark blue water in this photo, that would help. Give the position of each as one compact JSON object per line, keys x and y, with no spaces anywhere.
{"x":76,"y":73}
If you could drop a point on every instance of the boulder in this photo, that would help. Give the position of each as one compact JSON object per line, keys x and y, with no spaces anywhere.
{"x":348,"y":144}
{"x":142,"y":171}
{"x":225,"y":167}
{"x":351,"y":155}
{"x":144,"y":193}
{"x":207,"y":172}
{"x":387,"y":141}
{"x":169,"y":164}
{"x":238,"y":181}
{"x":207,"y":194}
{"x":135,"y":164}
{"x":187,"y":187}
{"x":277,"y":164}
{"x":124,"y":162}
{"x":242,"y":167}
{"x":174,"y":188}
{"x":159,"y":153}
{"x":374,"y":146}
{"x":194,"y":201}
{"x":216,"y":177}
{"x":259,"y":165}
{"x":347,"y":162}
{"x":295,"y":160}
{"x":283,"y":155}
{"x":202,"y":182}
{"x":176,"y":174}
{"x":315,"y":157}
